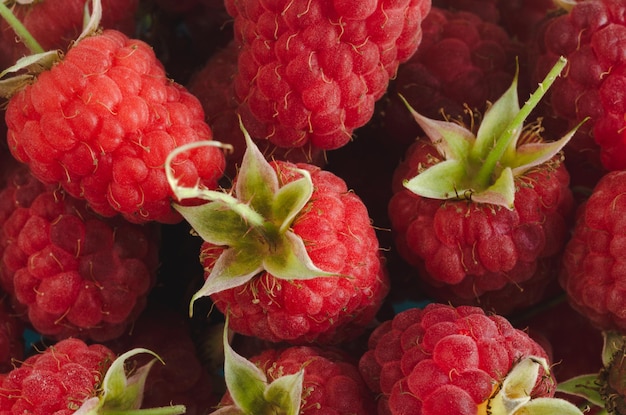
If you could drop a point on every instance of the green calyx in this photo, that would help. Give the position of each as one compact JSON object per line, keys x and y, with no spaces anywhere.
{"x":253,"y":224}
{"x":512,"y":397}
{"x":607,"y":388}
{"x":123,"y":394}
{"x":482,"y":167}
{"x":252,"y":393}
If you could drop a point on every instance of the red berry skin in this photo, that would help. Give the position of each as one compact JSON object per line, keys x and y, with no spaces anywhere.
{"x":331,"y":383}
{"x":102,"y":121}
{"x":68,"y":271}
{"x":591,"y":36}
{"x":340,"y":239}
{"x":213,"y":85}
{"x":424,"y":360}
{"x":311,"y":71}
{"x":592,"y":273}
{"x":481,"y":254}
{"x":56,"y":381}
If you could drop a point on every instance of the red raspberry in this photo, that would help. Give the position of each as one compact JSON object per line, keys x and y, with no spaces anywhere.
{"x":311,"y":71}
{"x":339,"y":239}
{"x":591,"y":273}
{"x":481,"y":254}
{"x":591,"y":36}
{"x":69,"y":271}
{"x":56,"y":381}
{"x":446,"y":360}
{"x":101,"y":123}
{"x":213,"y":86}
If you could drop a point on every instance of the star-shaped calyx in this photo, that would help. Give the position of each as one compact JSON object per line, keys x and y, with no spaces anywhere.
{"x":253,"y":393}
{"x":253,"y":222}
{"x":482,"y":167}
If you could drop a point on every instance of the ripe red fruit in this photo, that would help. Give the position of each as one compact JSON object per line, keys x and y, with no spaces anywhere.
{"x":483,"y":229}
{"x":591,"y":273}
{"x":443,"y":360}
{"x":591,"y":36}
{"x":311,"y":71}
{"x":102,"y":120}
{"x":72,"y":377}
{"x":69,"y":271}
{"x":56,"y":381}
{"x":213,"y":86}
{"x":289,"y":253}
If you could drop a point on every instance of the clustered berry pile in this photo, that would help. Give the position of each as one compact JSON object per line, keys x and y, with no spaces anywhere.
{"x":372,"y":207}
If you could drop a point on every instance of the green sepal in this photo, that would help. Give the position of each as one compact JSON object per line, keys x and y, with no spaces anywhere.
{"x":584,"y":386}
{"x":251,"y":391}
{"x":123,"y":394}
{"x":444,"y":180}
{"x":513,"y":397}
{"x":614,"y":342}
{"x":257,"y":182}
{"x":548,"y":406}
{"x":529,"y":155}
{"x":501,"y":192}
{"x":216,"y":222}
{"x":91,"y":20}
{"x":291,"y":199}
{"x":495,"y":122}
{"x":291,"y":261}
{"x":451,"y":140}
{"x":233,"y":268}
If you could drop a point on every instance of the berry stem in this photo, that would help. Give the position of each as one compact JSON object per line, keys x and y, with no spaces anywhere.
{"x":20,"y":29}
{"x":485,"y":173}
{"x":165,"y":410}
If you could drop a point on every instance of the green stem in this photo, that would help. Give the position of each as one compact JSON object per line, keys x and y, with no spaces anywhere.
{"x":20,"y":30}
{"x":485,"y":173}
{"x":165,"y":410}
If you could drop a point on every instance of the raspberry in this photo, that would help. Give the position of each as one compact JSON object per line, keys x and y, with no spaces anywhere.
{"x":591,"y":273}
{"x":588,"y":36}
{"x":336,"y":229}
{"x":213,"y":86}
{"x":311,"y":71}
{"x":441,"y":359}
{"x":56,"y":381}
{"x":101,"y":122}
{"x":69,"y":271}
{"x":477,"y":254}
